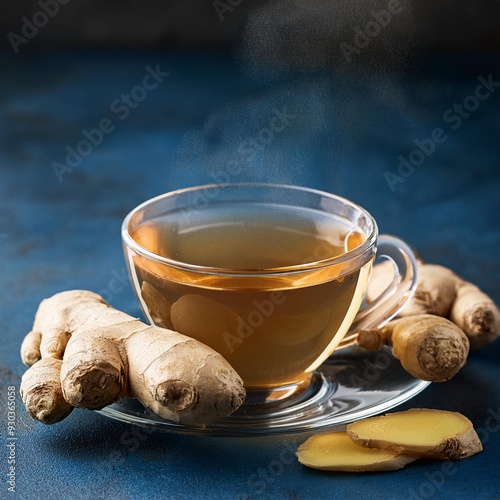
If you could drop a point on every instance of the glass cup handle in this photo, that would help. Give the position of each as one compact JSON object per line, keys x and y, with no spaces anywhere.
{"x":401,"y":289}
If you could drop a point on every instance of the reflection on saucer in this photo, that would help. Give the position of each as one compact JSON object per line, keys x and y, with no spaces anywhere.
{"x":352,"y":384}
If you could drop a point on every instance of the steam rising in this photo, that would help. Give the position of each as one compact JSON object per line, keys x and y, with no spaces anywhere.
{"x":295,"y":49}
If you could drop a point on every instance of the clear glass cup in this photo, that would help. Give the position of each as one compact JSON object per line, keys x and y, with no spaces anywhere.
{"x":271,"y":276}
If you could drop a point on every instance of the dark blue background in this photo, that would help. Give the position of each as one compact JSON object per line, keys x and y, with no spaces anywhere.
{"x":347,"y":131}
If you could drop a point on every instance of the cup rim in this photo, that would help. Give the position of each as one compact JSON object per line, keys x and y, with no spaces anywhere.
{"x":296,"y":268}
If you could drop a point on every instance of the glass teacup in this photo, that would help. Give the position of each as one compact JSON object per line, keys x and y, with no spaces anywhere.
{"x":271,"y":276}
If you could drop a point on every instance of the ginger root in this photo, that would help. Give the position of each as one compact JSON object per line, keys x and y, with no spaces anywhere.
{"x":85,"y":354}
{"x":428,"y":347}
{"x":425,"y":433}
{"x":476,"y":314}
{"x":435,"y":293}
{"x":391,"y":441}
{"x":335,"y":451}
{"x":441,"y":292}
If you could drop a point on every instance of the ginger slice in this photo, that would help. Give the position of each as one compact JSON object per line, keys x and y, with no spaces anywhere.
{"x":422,"y":432}
{"x":335,"y":451}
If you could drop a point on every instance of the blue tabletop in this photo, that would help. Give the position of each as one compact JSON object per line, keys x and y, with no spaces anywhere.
{"x":393,"y":142}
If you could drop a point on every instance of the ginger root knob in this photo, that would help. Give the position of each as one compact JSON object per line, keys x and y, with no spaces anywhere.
{"x":429,"y":347}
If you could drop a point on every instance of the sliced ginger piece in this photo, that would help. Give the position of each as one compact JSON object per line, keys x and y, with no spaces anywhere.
{"x":335,"y":451}
{"x":422,"y":432}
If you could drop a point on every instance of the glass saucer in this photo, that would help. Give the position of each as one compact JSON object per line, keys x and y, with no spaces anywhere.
{"x":352,"y":384}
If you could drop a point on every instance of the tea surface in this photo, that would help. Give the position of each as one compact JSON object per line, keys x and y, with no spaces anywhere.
{"x":247,"y":237}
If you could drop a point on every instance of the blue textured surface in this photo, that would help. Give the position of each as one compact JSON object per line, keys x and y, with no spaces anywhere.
{"x":345,"y":133}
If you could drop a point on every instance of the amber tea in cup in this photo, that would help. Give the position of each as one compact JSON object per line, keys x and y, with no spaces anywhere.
{"x":270,"y":276}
